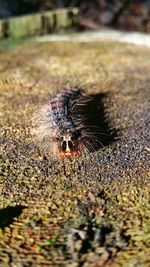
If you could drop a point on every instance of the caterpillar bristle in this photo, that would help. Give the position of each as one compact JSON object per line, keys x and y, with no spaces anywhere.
{"x":55,"y":129}
{"x":65,"y":126}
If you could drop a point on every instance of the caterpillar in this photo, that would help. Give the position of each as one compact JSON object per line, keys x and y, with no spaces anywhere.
{"x":62,"y":127}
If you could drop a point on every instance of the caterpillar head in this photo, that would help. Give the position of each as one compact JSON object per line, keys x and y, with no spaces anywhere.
{"x":69,"y":144}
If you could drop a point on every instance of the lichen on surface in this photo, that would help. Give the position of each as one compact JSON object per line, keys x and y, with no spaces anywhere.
{"x":91,"y":211}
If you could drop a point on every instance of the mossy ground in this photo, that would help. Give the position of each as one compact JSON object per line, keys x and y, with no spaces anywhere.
{"x":93,"y":211}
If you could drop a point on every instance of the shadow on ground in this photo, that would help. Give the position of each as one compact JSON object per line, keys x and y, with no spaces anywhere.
{"x":8,"y":214}
{"x":97,"y":122}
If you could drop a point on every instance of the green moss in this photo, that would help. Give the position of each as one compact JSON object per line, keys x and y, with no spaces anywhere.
{"x":25,"y":26}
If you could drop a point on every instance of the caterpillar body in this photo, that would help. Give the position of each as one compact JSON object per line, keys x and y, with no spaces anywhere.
{"x":58,"y":127}
{"x":71,"y":124}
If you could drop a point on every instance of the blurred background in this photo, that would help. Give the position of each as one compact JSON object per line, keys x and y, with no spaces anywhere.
{"x":131,"y":15}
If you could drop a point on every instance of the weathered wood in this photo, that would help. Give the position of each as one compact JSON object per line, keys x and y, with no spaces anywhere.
{"x":1,"y":28}
{"x":39,"y":23}
{"x":47,"y":21}
{"x":102,"y":199}
{"x":62,"y":19}
{"x":24,"y":26}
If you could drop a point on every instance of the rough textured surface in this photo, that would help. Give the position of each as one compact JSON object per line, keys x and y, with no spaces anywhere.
{"x":93,"y":211}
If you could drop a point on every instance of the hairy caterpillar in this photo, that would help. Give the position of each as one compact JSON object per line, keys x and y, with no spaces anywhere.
{"x":63,"y":128}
